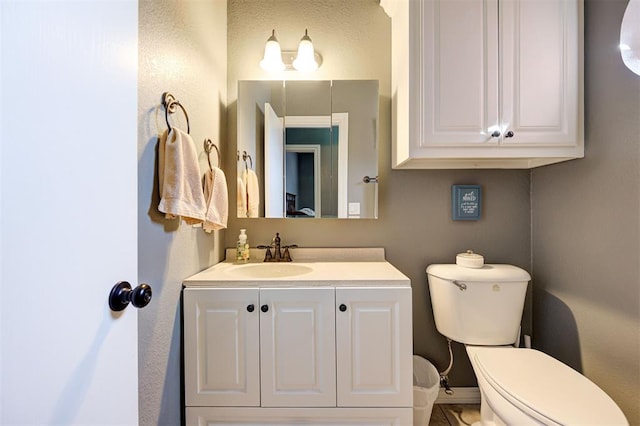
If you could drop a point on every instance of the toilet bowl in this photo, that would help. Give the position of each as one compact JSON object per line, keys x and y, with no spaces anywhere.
{"x":524,"y":386}
{"x":482,"y":308}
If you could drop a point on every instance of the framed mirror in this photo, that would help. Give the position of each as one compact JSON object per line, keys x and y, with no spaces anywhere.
{"x":307,"y":148}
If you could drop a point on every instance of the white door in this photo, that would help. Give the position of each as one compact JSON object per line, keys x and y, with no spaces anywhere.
{"x":273,"y":163}
{"x":68,"y":178}
{"x":374,"y":347}
{"x":221,"y":347}
{"x":297,"y":347}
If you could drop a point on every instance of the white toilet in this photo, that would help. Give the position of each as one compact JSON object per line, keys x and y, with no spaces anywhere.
{"x":481,"y":306}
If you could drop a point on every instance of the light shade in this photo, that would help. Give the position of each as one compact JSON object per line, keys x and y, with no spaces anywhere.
{"x":630,"y":36}
{"x":272,"y":60}
{"x":305,"y":60}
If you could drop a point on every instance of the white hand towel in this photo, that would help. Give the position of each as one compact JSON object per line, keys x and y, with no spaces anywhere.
{"x":179,"y":178}
{"x":242,"y":198}
{"x":253,"y":192}
{"x":217,"y":198}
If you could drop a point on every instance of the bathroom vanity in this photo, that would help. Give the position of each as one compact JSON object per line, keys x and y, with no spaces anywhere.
{"x":326,"y":338}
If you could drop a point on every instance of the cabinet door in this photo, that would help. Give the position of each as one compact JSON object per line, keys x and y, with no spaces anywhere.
{"x":540,"y":72}
{"x":297,"y":330}
{"x":460,"y":72}
{"x":374,"y":347}
{"x":221,"y":347}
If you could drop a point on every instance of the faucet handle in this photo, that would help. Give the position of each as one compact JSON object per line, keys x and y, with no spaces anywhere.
{"x":286,"y":256}
{"x":267,"y":255}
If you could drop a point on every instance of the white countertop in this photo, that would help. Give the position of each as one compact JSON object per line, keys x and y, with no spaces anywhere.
{"x":315,"y":267}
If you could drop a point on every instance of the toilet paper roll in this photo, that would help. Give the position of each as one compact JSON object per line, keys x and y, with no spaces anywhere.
{"x":470,"y":260}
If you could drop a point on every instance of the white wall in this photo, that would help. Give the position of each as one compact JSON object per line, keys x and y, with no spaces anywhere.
{"x":586,"y":227}
{"x":182,"y":50}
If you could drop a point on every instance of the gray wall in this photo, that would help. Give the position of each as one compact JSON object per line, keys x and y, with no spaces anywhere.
{"x":586,"y":227}
{"x":182,"y":49}
{"x":415,"y":226}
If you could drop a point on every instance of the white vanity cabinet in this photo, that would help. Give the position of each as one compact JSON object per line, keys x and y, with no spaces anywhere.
{"x":373,"y":347}
{"x":486,"y":83}
{"x":276,"y":353}
{"x":273,"y":347}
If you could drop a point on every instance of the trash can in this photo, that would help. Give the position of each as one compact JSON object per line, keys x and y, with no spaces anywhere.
{"x":426,"y":384}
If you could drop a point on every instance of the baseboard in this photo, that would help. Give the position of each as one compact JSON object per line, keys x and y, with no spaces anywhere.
{"x":460,"y":396}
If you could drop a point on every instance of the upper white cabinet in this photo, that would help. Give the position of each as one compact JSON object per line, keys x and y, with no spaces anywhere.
{"x":486,"y":83}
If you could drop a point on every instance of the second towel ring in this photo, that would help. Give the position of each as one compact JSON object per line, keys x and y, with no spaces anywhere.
{"x":207,"y":148}
{"x":169,"y":101}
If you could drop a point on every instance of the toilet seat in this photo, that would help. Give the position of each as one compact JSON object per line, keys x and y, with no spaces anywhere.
{"x":544,"y":388}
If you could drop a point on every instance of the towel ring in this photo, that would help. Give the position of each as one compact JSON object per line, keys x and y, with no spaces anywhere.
{"x":207,"y":148}
{"x":169,"y":101}
{"x":244,"y":158}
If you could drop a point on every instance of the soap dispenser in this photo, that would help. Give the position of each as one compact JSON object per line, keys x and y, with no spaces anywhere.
{"x":242,"y":249}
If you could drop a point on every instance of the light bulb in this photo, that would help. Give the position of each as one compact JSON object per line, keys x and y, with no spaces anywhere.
{"x":272,"y":60}
{"x":305,"y":60}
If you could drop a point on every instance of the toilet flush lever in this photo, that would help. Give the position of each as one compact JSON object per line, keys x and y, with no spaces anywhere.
{"x":461,"y":286}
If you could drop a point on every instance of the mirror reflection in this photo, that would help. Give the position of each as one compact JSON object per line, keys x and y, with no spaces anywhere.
{"x":305,"y":147}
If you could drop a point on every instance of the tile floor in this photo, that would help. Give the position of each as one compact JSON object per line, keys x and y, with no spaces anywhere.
{"x":454,"y":414}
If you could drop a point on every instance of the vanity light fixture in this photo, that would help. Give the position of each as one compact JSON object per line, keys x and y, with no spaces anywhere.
{"x":306,"y":59}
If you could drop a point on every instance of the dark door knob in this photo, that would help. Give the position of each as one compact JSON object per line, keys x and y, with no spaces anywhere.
{"x":342,"y":307}
{"x":122,"y":294}
{"x":264,"y":308}
{"x":250,"y":308}
{"x":509,"y":134}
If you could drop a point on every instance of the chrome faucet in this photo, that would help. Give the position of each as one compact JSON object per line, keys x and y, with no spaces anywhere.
{"x":278,"y":254}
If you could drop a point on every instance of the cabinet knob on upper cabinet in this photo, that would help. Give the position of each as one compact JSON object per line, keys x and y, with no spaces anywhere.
{"x":495,"y":134}
{"x":250,"y":308}
{"x":264,"y":308}
{"x":509,"y":134}
{"x":342,"y":307}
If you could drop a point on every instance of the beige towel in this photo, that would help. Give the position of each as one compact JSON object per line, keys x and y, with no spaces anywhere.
{"x":179,"y":178}
{"x":217,"y":198}
{"x":250,"y":180}
{"x":242,"y":198}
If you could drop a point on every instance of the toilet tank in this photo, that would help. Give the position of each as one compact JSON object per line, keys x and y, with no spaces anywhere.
{"x":478,"y":306}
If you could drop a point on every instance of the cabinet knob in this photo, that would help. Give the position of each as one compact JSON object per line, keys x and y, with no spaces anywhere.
{"x":495,"y":134}
{"x":250,"y":308}
{"x":264,"y":308}
{"x":342,"y":307}
{"x":509,"y":134}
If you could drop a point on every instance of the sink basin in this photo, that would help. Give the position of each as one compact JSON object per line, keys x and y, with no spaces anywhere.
{"x":270,"y":270}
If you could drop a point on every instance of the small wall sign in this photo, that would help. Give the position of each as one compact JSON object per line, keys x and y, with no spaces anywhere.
{"x":466,"y":202}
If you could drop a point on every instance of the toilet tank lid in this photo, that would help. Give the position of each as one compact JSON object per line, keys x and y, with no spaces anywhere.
{"x":489,"y":272}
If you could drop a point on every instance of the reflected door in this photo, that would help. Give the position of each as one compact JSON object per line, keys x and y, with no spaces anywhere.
{"x":274,"y":163}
